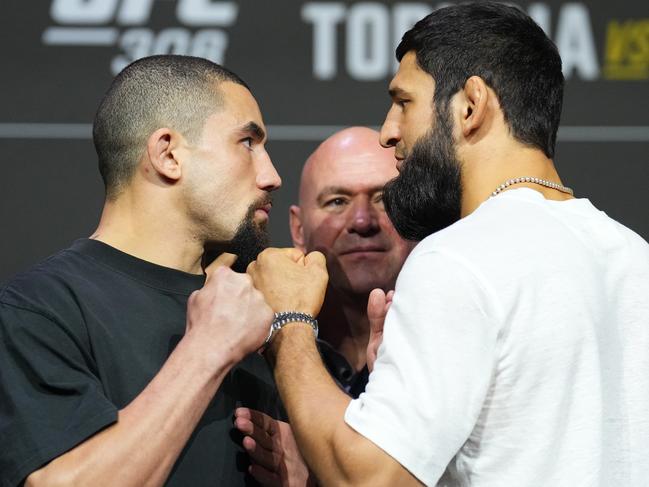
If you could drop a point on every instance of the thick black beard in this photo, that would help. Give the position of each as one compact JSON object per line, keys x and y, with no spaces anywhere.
{"x":248,"y":241}
{"x":427,"y":195}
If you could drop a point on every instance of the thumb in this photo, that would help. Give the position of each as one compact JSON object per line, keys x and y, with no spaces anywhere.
{"x":294,"y":254}
{"x":315,"y":258}
{"x":376,"y":310}
{"x":223,"y":260}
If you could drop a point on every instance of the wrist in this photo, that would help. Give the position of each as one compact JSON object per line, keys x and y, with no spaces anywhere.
{"x":295,"y":334}
{"x":211,"y":357}
{"x":283,"y":318}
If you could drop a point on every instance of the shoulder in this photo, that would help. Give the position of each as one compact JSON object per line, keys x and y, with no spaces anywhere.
{"x":48,"y":292}
{"x":515,"y":226}
{"x":462,"y":245}
{"x":48,"y":277}
{"x":480,"y":251}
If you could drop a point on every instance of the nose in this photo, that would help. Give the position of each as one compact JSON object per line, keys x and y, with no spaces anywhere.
{"x":363,"y":219}
{"x":390,"y":134}
{"x":267,"y":177}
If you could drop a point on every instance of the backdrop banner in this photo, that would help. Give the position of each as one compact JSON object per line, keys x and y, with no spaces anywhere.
{"x":314,"y":67}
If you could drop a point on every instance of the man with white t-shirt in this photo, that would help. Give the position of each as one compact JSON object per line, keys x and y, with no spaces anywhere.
{"x":516,"y":348}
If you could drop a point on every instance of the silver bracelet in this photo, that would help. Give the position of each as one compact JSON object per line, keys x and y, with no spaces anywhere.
{"x":284,"y":318}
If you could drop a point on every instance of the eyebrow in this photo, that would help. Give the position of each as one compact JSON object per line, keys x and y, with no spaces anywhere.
{"x":253,"y":129}
{"x":397,"y":92}
{"x":329,"y":190}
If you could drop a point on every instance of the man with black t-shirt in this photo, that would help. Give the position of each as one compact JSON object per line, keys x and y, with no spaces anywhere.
{"x":121,"y":361}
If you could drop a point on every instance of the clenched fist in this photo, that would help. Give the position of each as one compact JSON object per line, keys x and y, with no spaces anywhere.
{"x":228,"y":315}
{"x":289,"y":280}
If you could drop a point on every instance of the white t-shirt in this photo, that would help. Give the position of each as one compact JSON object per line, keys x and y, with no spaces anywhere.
{"x":516,"y":351}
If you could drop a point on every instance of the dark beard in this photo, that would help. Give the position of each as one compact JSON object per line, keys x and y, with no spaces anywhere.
{"x":248,"y":241}
{"x":427,"y":194}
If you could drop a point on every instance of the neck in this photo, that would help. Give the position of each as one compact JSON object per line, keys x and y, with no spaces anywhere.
{"x":344,"y":325}
{"x":155,"y":233}
{"x":484,"y":173}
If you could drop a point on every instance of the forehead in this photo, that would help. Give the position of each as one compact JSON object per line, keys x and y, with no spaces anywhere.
{"x":410,"y":78}
{"x":239,"y":106}
{"x":354,"y":171}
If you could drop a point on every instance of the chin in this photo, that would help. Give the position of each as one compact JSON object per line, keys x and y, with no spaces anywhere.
{"x":362,"y":287}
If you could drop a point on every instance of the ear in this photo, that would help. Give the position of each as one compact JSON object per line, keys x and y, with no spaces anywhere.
{"x":476,"y":104}
{"x":161,"y":151}
{"x":295,"y":223}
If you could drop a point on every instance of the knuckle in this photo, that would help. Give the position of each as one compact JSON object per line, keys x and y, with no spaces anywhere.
{"x":224,"y":271}
{"x":193,"y":297}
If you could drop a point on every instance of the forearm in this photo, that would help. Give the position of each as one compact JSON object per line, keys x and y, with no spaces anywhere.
{"x":335,"y":452}
{"x":316,"y":406}
{"x":142,"y":447}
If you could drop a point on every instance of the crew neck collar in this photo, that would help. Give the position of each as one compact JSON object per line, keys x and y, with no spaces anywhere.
{"x":164,"y":278}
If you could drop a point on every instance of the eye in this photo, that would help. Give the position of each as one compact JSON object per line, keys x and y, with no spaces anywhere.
{"x":378,"y":200}
{"x":247,"y":142}
{"x":336,"y":202}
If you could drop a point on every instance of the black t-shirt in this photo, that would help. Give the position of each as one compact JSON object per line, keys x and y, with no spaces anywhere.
{"x":81,"y":335}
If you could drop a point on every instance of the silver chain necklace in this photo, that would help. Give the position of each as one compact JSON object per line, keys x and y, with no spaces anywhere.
{"x":527,"y":179}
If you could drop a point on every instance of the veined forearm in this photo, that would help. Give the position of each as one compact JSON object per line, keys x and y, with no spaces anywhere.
{"x":315,"y":406}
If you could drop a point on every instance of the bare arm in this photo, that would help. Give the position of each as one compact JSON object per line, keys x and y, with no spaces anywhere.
{"x":335,"y":452}
{"x":316,"y":406}
{"x":225,"y":320}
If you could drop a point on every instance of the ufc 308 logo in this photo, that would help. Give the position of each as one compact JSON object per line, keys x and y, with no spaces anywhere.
{"x":123,"y":23}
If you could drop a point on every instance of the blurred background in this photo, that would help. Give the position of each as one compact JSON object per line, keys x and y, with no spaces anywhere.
{"x":314,"y":67}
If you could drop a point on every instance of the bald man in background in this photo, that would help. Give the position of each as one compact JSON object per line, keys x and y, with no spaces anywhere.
{"x":340,"y":214}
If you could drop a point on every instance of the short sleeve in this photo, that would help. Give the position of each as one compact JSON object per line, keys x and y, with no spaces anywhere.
{"x":50,"y":400}
{"x":433,"y":368}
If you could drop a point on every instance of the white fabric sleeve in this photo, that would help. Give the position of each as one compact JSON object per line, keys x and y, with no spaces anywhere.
{"x":433,"y":368}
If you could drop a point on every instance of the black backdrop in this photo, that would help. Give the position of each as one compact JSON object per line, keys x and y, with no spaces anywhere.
{"x":313,"y":66}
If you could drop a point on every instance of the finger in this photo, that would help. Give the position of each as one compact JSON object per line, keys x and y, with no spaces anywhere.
{"x":264,"y":476}
{"x":389,"y":296}
{"x":315,"y":258}
{"x":376,"y":305}
{"x":242,"y":413}
{"x":260,"y":419}
{"x":258,"y":429}
{"x":256,"y":433}
{"x":223,"y":260}
{"x":244,"y":425}
{"x":388,"y":301}
{"x":294,"y":254}
{"x":260,"y":455}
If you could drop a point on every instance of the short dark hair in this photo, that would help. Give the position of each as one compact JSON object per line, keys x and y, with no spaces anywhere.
{"x":508,"y":50}
{"x":173,"y":91}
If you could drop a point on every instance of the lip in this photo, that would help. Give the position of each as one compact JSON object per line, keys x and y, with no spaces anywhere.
{"x":363,"y":250}
{"x":263,"y":212}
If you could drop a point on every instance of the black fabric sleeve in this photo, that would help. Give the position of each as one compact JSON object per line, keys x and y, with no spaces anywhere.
{"x":50,"y":399}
